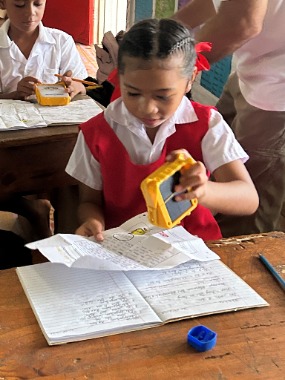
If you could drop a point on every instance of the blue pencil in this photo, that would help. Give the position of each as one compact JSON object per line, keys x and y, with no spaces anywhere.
{"x":271,"y":269}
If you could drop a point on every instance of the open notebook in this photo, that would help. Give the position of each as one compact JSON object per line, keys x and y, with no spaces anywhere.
{"x":73,"y":304}
{"x":18,"y":114}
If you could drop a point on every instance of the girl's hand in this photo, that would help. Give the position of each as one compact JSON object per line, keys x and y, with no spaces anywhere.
{"x":26,"y":87}
{"x":193,"y":182}
{"x":92,"y":227}
{"x":232,"y":192}
{"x":72,"y":88}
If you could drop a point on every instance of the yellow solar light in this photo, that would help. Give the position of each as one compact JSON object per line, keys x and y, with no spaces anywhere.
{"x":158,"y":191}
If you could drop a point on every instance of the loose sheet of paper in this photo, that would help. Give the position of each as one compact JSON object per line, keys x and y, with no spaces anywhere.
{"x":17,"y":114}
{"x":135,"y":245}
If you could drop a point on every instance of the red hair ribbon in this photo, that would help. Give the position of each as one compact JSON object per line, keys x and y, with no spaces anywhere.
{"x":201,"y":62}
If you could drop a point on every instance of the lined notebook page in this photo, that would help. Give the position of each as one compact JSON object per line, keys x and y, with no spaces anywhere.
{"x":195,"y":288}
{"x":75,"y":304}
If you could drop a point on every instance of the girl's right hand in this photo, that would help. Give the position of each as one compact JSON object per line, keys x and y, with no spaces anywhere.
{"x":92,"y":227}
{"x":193,"y":182}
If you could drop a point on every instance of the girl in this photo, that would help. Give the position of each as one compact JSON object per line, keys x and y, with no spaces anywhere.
{"x":148,"y":124}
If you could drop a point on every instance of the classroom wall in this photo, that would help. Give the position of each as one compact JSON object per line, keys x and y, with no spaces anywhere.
{"x":165,"y":8}
{"x":155,"y":8}
{"x":74,"y":17}
{"x":143,"y":9}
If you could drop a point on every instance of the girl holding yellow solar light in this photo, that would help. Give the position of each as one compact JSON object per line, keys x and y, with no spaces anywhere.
{"x":150,"y":123}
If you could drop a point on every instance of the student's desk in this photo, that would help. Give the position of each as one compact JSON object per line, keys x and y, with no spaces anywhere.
{"x":34,"y":160}
{"x":250,"y":344}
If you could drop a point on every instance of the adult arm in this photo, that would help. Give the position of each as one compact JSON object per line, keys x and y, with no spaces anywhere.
{"x":236,"y":22}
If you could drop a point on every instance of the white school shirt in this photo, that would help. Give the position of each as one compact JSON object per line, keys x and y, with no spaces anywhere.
{"x":54,"y":52}
{"x":260,"y":61}
{"x":219,"y":145}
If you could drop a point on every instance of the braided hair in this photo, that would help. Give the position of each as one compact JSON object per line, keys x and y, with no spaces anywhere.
{"x":158,"y":39}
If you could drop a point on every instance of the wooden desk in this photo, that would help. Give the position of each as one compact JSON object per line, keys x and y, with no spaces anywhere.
{"x":250,"y":345}
{"x":34,"y":160}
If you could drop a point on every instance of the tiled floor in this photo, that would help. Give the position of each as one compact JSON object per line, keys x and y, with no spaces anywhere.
{"x":88,"y":57}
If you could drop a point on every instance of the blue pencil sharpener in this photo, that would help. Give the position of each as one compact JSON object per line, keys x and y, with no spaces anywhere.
{"x":202,"y":338}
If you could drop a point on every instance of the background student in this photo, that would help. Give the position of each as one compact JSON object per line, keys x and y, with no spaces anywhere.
{"x":31,"y":53}
{"x":253,"y":98}
{"x":152,"y":119}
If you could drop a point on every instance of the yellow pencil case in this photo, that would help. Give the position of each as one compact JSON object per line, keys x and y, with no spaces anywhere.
{"x":158,"y":191}
{"x":52,"y":94}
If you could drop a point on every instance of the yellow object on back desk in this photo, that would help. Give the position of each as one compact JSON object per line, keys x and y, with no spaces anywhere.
{"x":52,"y":94}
